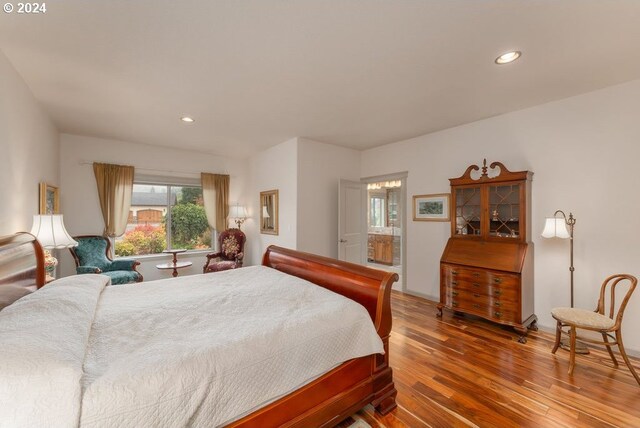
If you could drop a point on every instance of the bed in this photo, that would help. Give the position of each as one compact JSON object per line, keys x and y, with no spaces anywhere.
{"x":318,"y":370}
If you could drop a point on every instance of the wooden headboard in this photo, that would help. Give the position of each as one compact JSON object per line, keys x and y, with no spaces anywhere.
{"x":21,"y":261}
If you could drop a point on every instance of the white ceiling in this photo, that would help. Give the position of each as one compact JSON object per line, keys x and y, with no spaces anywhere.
{"x":357,"y":73}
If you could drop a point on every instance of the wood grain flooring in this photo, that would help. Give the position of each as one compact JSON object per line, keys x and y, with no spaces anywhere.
{"x":466,"y":372}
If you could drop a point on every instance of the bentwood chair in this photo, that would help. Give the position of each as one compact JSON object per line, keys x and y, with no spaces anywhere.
{"x":92,"y":256}
{"x":231,"y":243}
{"x":608,"y":325}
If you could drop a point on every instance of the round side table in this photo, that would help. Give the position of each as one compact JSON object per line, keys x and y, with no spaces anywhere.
{"x":175,"y":253}
{"x":175,"y":264}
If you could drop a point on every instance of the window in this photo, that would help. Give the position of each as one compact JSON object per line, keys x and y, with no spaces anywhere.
{"x":376,"y":216}
{"x":158,"y":208}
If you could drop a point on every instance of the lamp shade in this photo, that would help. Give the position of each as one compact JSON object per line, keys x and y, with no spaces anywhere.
{"x":265,"y":213}
{"x":237,"y":211}
{"x":50,"y":231}
{"x":555,"y":227}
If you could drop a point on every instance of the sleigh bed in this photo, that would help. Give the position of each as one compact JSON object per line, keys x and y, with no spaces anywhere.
{"x":345,"y":367}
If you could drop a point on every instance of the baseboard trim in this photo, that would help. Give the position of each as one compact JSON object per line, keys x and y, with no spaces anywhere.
{"x":546,"y":328}
{"x":433,"y":299}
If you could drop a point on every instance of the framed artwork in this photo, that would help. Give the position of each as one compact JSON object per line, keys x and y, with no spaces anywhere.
{"x":432,"y":207}
{"x":49,"y":199}
{"x":269,"y":212}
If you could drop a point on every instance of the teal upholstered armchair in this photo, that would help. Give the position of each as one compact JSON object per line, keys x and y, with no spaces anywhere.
{"x":92,"y":256}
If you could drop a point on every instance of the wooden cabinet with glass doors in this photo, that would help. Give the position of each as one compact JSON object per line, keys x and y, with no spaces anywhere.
{"x":486,"y":268}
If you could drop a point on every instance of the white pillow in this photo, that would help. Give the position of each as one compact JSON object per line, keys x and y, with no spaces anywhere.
{"x":11,"y":293}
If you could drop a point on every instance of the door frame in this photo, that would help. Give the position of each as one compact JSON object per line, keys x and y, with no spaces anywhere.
{"x":402,"y":176}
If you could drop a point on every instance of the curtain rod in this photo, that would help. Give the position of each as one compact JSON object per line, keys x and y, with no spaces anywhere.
{"x":162,"y":171}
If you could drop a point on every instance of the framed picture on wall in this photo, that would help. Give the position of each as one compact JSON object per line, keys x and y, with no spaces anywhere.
{"x":49,"y":199}
{"x":269,"y":212}
{"x":432,"y":207}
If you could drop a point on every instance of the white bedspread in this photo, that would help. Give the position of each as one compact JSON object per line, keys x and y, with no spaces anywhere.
{"x":199,"y":350}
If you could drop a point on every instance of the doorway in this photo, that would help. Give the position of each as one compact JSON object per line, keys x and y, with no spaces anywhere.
{"x":385,"y":217}
{"x":371,"y":223}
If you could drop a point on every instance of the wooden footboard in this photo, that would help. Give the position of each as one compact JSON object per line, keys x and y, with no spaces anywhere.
{"x":354,"y":384}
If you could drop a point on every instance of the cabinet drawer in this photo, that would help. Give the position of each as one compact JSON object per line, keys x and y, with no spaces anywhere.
{"x":484,"y":306}
{"x":477,"y":274}
{"x":495,"y":300}
{"x":508,"y":290}
{"x":463,"y":273}
{"x":483,"y":281}
{"x":466,"y":292}
{"x":497,"y":279}
{"x":474,"y":286}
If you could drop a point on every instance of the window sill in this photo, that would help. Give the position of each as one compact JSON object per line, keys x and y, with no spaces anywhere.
{"x":160,"y":256}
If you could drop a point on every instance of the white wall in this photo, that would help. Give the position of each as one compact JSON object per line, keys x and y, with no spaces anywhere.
{"x":320,"y":168}
{"x":30,"y":147}
{"x":584,"y":153}
{"x":306,"y":174}
{"x":274,"y":168}
{"x":81,"y":206}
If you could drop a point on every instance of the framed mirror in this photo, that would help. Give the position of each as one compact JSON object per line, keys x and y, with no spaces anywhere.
{"x":269,"y":212}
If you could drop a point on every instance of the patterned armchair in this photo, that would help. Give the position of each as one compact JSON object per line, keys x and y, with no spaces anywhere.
{"x":92,"y":256}
{"x":231,"y":244}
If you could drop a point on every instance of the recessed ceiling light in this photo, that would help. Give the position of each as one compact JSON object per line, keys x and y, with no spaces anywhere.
{"x":187,"y":119}
{"x":508,"y":57}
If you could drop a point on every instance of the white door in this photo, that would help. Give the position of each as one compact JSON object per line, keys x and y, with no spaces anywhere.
{"x":350,"y":221}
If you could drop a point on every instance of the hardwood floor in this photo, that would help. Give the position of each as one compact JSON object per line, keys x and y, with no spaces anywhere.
{"x":460,"y":371}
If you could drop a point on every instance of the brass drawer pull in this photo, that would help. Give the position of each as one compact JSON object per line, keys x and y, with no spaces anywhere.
{"x":475,"y":305}
{"x":454,"y":282}
{"x":498,"y":314}
{"x":498,"y":292}
{"x":497,"y":280}
{"x":476,"y":274}
{"x":454,"y":272}
{"x":454,"y":293}
{"x":475,"y":284}
{"x":454,"y":304}
{"x":498,"y":304}
{"x":476,"y":295}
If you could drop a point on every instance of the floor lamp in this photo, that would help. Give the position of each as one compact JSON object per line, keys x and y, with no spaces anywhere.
{"x":562,"y":227}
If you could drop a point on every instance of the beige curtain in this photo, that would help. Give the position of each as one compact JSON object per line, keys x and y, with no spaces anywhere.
{"x":115,"y":184}
{"x":215,"y":193}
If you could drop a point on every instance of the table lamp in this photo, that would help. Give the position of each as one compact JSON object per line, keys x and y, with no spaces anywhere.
{"x":238,"y":213}
{"x":50,"y":231}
